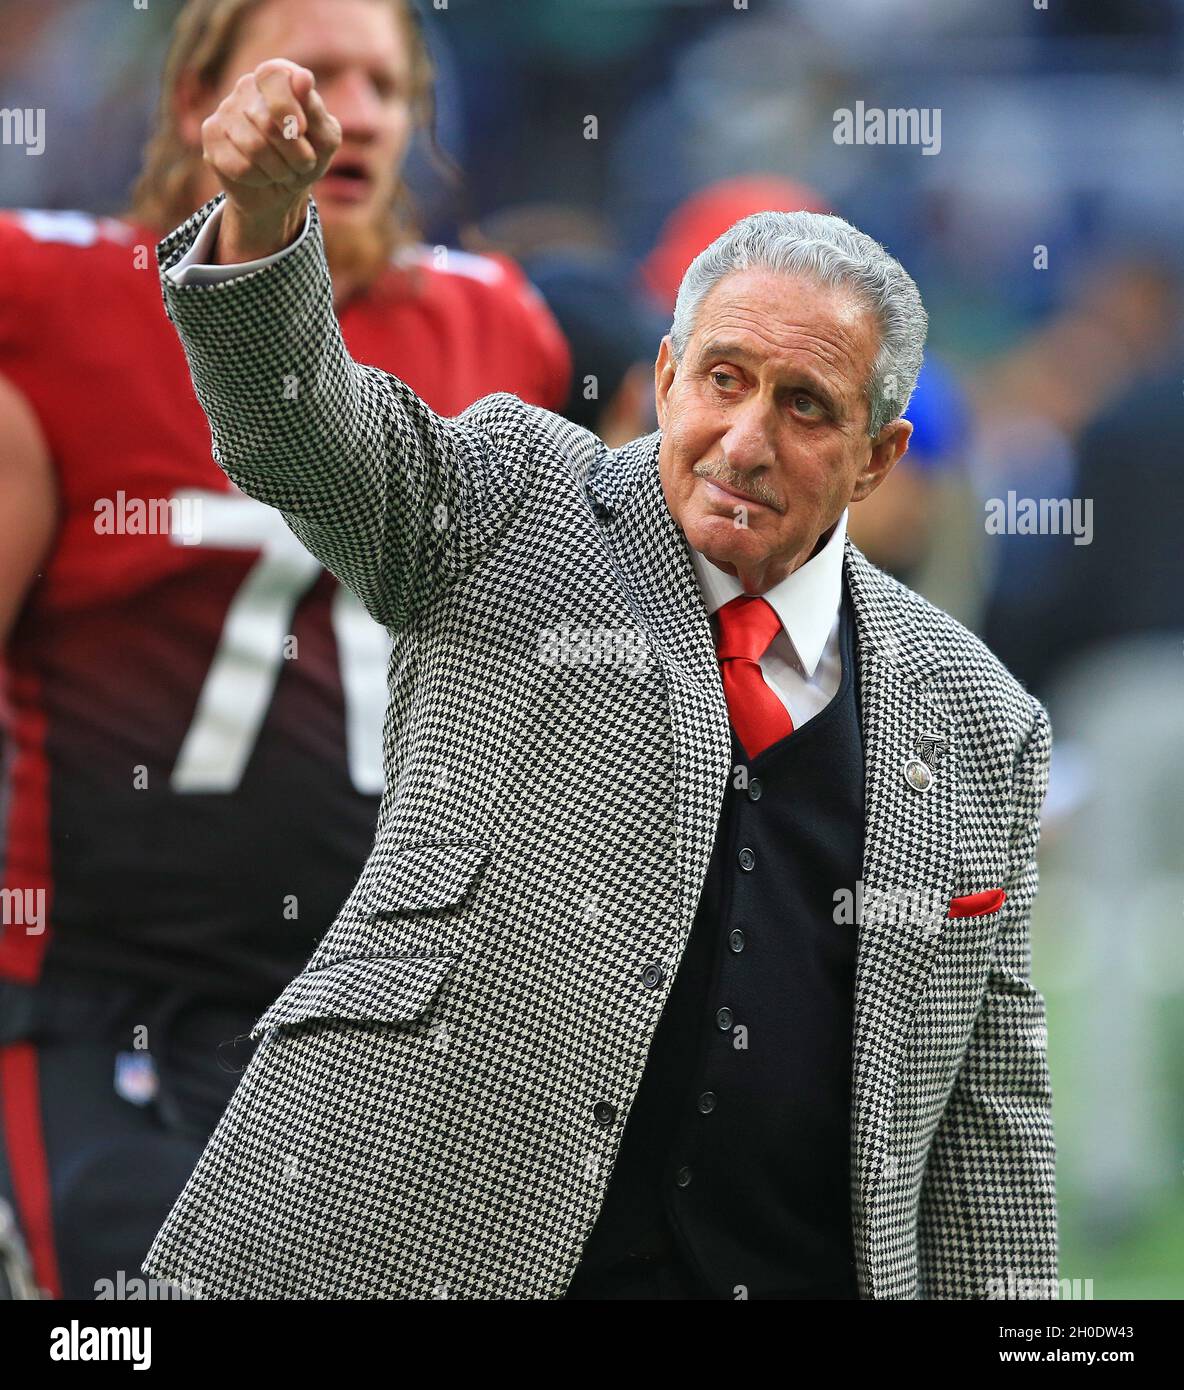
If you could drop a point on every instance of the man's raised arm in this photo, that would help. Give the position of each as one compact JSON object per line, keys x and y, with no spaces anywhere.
{"x":395,"y":500}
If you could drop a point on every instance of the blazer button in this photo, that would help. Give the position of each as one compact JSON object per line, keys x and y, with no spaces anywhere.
{"x":723,"y":1019}
{"x":754,"y":789}
{"x":601,"y":512}
{"x":707,"y":1102}
{"x":736,"y":940}
{"x":605,"y":1112}
{"x":683,"y":1176}
{"x":747,"y":859}
{"x":652,"y":976}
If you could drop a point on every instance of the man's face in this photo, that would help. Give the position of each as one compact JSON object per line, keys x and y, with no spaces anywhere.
{"x":764,"y":423}
{"x":359,"y":54}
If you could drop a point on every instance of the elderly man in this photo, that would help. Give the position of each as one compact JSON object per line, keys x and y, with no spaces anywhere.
{"x":692,"y":955}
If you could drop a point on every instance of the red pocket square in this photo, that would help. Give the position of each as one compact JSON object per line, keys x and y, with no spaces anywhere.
{"x":977,"y":904}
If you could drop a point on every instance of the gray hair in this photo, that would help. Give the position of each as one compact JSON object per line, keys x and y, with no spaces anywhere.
{"x":831,"y":252}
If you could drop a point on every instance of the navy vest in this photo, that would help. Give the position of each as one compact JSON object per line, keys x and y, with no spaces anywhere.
{"x":735,"y":1160}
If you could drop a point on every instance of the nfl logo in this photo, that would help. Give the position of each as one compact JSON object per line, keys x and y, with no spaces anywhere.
{"x":135,"y":1077}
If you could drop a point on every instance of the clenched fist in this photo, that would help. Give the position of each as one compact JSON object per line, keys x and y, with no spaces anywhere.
{"x":268,"y":143}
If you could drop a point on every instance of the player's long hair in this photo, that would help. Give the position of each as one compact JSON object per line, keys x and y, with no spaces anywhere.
{"x":203,"y":39}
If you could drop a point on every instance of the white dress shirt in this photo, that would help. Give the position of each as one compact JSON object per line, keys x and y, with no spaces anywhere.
{"x":802,"y":665}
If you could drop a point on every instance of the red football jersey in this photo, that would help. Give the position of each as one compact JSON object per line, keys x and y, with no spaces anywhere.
{"x":195,"y":706}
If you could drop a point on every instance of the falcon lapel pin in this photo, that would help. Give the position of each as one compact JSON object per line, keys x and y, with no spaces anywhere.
{"x":919,"y":771}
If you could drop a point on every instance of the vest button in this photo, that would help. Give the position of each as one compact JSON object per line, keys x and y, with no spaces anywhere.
{"x":652,"y":976}
{"x":683,"y":1176}
{"x":707,"y":1102}
{"x":605,"y":1112}
{"x":754,"y":789}
{"x":723,"y":1019}
{"x":747,"y":859}
{"x":736,"y":940}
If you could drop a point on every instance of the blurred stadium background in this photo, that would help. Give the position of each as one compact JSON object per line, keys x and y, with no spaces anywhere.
{"x":1045,"y":235}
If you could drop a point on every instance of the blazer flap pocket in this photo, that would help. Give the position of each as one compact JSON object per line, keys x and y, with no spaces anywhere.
{"x":374,"y":989}
{"x":426,"y":878}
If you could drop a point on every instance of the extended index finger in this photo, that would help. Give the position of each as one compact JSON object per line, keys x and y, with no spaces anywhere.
{"x":278,"y":81}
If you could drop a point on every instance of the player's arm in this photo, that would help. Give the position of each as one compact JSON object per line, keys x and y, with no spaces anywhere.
{"x":28,"y":502}
{"x":988,"y":1201}
{"x":397,"y":501}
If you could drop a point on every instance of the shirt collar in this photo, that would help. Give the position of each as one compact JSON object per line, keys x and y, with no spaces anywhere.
{"x":807,"y":601}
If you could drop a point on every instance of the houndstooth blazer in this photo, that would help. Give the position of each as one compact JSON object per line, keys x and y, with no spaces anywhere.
{"x":435,"y":1101}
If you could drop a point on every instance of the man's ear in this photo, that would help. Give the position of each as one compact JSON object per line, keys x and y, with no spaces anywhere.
{"x":664,"y":370}
{"x":888,"y":448}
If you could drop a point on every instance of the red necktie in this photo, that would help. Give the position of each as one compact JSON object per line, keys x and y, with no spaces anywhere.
{"x":747,"y":624}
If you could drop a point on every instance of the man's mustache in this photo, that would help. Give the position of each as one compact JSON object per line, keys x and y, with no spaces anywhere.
{"x":721,"y":472}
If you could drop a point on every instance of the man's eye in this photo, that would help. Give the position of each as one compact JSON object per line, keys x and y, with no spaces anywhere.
{"x":385,"y":83}
{"x":727,"y":376}
{"x":805,"y":405}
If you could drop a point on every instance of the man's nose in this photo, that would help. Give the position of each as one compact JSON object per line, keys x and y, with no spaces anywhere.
{"x":351,"y":97}
{"x":748,"y":444}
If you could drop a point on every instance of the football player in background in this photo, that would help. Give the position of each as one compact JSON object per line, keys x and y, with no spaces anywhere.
{"x":184,"y":681}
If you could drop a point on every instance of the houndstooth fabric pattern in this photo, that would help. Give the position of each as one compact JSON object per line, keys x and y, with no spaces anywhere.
{"x":436,"y":1101}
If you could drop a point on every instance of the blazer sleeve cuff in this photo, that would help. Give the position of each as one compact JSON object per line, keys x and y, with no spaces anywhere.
{"x":193,"y":290}
{"x":196,"y":267}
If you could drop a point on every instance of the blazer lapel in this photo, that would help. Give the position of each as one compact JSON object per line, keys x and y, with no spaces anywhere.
{"x":651,"y":554}
{"x":909,"y":870}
